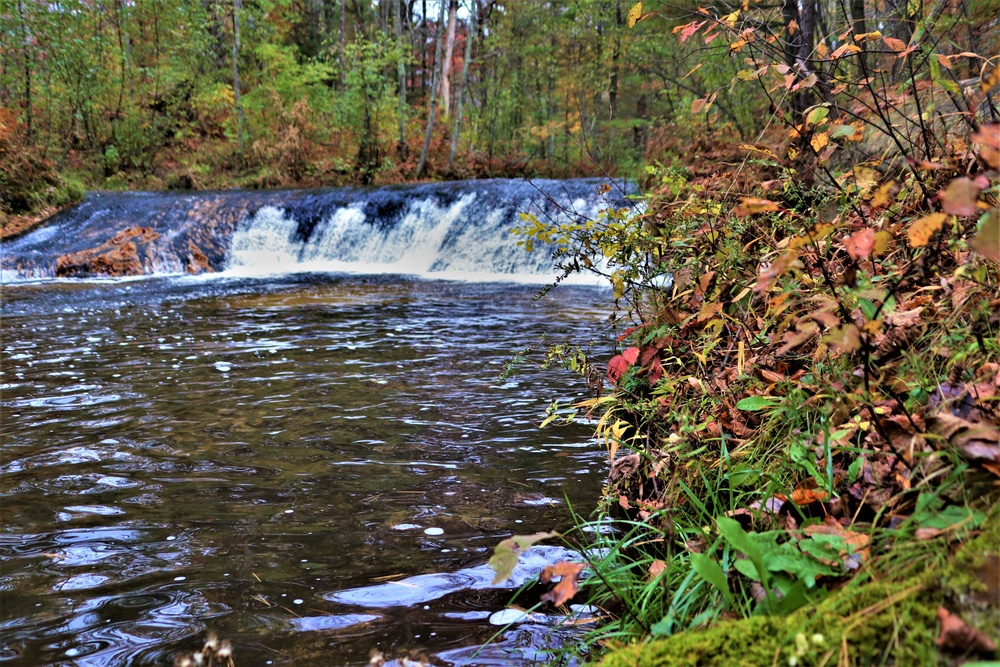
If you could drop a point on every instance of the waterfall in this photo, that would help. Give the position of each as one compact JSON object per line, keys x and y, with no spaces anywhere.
{"x":456,"y":230}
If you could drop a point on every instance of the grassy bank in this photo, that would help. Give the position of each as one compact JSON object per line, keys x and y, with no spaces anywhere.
{"x":801,"y":415}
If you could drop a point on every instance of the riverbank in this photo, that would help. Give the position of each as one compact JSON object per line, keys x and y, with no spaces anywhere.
{"x":800,"y":417}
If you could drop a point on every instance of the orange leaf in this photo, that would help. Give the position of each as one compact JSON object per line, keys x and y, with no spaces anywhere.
{"x":687,"y":30}
{"x":569,"y":582}
{"x":844,"y":50}
{"x":819,"y":141}
{"x":808,"y":496}
{"x":988,"y":135}
{"x":896,"y":45}
{"x":752,"y":206}
{"x":923,"y":229}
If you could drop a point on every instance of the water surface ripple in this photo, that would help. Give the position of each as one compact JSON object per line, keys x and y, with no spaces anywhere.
{"x":313,"y":466}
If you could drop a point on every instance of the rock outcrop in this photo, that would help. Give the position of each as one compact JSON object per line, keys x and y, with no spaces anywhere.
{"x":127,"y":253}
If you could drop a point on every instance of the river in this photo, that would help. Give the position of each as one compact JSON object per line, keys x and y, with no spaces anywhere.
{"x":314,"y":464}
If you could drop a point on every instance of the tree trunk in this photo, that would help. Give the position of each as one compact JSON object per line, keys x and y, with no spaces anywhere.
{"x":470,"y":36}
{"x":423,"y":47}
{"x":402,"y":149}
{"x":615,"y":55}
{"x":449,"y":54}
{"x":237,"y":5}
{"x":27,"y":68}
{"x":432,"y":103}
{"x":343,"y":41}
{"x":860,"y":28}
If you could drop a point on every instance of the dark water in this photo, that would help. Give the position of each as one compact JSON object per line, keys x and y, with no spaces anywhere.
{"x":313,"y":466}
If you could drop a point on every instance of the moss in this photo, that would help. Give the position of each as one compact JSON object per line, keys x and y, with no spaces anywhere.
{"x":749,"y":641}
{"x":871,"y":623}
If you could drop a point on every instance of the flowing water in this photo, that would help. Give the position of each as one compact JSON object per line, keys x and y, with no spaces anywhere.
{"x":313,"y":464}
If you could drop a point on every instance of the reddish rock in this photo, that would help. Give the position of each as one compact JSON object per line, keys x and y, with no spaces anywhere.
{"x":197,"y":260}
{"x":127,"y":253}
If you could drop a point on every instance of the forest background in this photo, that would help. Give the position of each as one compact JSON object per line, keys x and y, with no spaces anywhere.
{"x":160,"y":94}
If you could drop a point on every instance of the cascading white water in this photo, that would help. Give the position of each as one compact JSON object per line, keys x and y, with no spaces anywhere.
{"x":455,"y":230}
{"x":467,"y":238}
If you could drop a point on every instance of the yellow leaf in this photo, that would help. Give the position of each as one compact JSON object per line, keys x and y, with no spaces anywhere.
{"x":868,"y":37}
{"x":816,"y":233}
{"x":822,"y":50}
{"x":884,"y":196}
{"x":882,"y":241}
{"x":923,"y":229}
{"x":693,"y":70}
{"x":866,"y":178}
{"x":760,"y":149}
{"x":844,"y":50}
{"x":819,"y":141}
{"x":730,"y":19}
{"x":752,"y":205}
{"x":634,"y":14}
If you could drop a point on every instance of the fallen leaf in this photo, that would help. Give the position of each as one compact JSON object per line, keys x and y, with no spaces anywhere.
{"x":885,"y":194}
{"x":866,"y":178}
{"x":977,"y":441}
{"x":860,"y":244}
{"x":808,"y":496}
{"x":922,"y":230}
{"x":957,"y":635}
{"x":927,"y":533}
{"x":656,"y":568}
{"x":569,"y":581}
{"x":752,"y":205}
{"x":844,"y":339}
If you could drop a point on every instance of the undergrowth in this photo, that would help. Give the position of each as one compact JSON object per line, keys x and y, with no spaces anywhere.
{"x":802,"y":420}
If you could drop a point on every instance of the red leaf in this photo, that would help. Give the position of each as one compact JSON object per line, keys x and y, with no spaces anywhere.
{"x":688,"y":30}
{"x":568,"y":585}
{"x":620,"y":363}
{"x":960,"y":197}
{"x":859,"y":244}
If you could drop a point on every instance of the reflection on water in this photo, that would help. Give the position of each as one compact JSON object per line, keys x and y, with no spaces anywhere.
{"x":313,"y":467}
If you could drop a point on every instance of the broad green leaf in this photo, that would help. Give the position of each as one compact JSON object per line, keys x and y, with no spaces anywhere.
{"x":817,"y":115}
{"x":506,"y":553}
{"x":708,"y":569}
{"x":756,"y":403}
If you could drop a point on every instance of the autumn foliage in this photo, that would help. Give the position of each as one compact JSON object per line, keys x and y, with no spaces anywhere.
{"x":805,"y":380}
